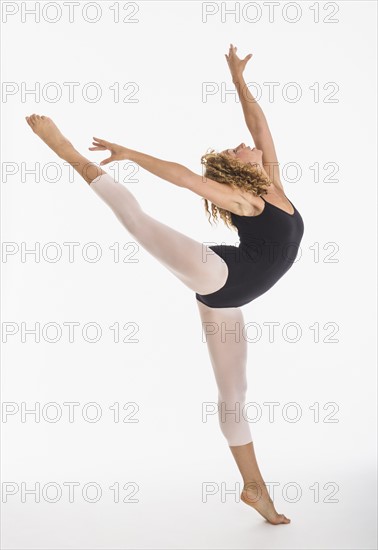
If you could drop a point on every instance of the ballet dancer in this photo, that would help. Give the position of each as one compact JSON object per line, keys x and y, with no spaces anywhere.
{"x":223,"y":277}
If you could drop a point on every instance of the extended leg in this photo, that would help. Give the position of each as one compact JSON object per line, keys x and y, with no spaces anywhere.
{"x":195,"y":264}
{"x":46,"y":129}
{"x":223,"y":329}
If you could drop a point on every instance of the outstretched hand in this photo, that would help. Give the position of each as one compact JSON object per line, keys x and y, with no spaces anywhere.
{"x":236,"y":64}
{"x":117,"y":151}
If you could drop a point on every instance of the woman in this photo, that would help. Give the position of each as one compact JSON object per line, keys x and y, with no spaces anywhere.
{"x":223,"y":277}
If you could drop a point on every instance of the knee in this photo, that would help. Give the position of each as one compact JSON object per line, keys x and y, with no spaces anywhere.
{"x":234,"y":394}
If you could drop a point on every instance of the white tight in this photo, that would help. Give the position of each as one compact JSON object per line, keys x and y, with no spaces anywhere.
{"x":203,"y":271}
{"x":194,"y":263}
{"x":223,"y":332}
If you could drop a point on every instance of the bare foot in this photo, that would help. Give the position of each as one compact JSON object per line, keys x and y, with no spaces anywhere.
{"x":46,"y":129}
{"x":262,"y":503}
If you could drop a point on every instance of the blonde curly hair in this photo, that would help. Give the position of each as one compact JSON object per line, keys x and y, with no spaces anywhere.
{"x":228,"y":170}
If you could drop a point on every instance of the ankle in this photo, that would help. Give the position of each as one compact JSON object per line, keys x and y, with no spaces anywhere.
{"x":256,"y":489}
{"x":65,"y":151}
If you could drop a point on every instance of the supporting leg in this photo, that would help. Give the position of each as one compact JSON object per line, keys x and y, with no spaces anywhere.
{"x":227,"y":348}
{"x":223,"y":328}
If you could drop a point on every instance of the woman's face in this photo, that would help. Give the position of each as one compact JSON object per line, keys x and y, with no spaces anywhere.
{"x":246,"y":154}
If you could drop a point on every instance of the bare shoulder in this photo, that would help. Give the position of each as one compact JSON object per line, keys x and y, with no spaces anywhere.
{"x":250,"y":205}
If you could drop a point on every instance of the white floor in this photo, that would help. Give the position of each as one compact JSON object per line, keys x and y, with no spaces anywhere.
{"x":172,"y":513}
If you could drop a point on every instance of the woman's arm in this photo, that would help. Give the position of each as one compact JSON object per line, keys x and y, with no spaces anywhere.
{"x":219,"y":194}
{"x":169,"y":171}
{"x":254,"y":116}
{"x":164,"y":169}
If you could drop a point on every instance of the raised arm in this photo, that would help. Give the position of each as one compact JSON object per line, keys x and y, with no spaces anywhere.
{"x":254,"y":116}
{"x":219,"y":194}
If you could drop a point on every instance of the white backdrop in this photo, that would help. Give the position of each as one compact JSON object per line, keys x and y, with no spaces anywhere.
{"x":149,"y":470}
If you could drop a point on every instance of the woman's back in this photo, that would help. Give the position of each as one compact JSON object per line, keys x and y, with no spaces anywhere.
{"x":269,"y":244}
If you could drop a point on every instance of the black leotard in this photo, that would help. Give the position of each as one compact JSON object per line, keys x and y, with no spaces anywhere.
{"x":269,"y":244}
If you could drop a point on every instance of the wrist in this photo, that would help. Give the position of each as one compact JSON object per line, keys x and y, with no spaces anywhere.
{"x":237,"y":78}
{"x":129,"y":154}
